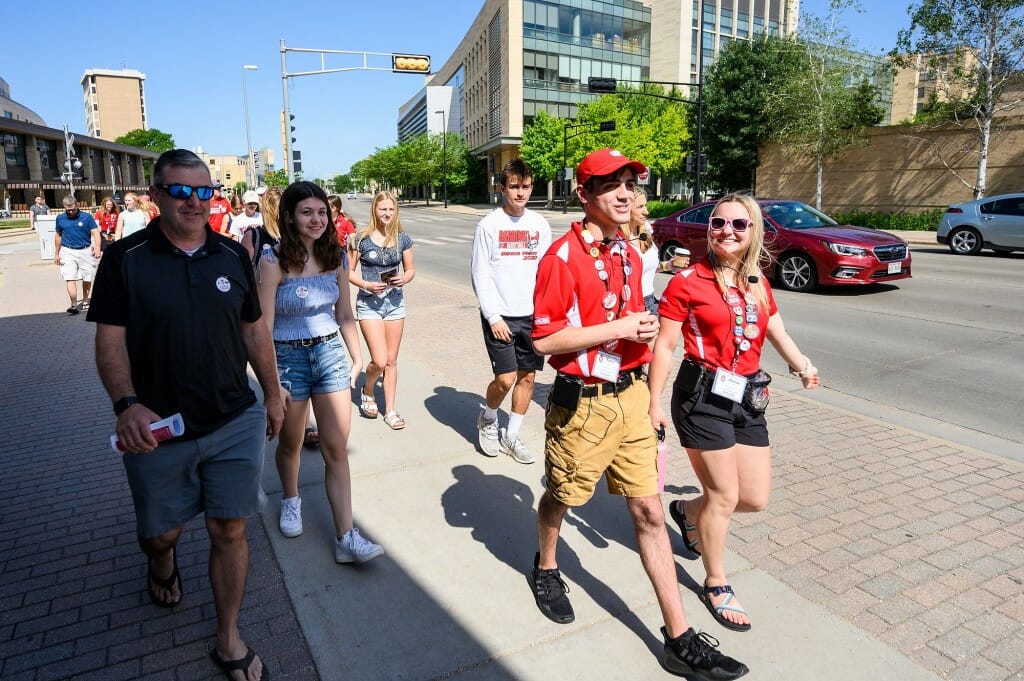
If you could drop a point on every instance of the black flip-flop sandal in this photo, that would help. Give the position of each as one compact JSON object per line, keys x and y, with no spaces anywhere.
{"x":679,"y":515}
{"x":240,"y":665}
{"x":716,"y":610}
{"x":311,"y":438}
{"x":168,"y":584}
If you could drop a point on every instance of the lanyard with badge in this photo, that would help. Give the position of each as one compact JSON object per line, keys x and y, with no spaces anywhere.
{"x":607,"y":362}
{"x":730,"y":384}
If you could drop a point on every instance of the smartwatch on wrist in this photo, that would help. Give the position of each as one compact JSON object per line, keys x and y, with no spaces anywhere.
{"x":124,"y":403}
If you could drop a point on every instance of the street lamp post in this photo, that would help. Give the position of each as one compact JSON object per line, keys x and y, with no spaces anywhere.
{"x":250,"y":166}
{"x":444,"y":155}
{"x":71,"y":163}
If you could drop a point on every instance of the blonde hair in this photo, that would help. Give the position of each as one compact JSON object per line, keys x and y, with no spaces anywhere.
{"x":390,"y":232}
{"x":269,"y":209}
{"x":636,"y":230}
{"x":749,"y":265}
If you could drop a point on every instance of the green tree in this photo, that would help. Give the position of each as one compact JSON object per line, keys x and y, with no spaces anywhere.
{"x":812,"y":108}
{"x":735,"y":102}
{"x":541,"y":148}
{"x":972,"y":48}
{"x":277,"y":178}
{"x":152,"y":139}
{"x":864,"y":110}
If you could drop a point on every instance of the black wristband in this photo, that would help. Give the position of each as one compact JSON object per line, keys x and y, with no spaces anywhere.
{"x":124,"y":403}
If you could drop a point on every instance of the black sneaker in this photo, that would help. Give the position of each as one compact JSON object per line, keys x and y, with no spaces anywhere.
{"x":549,"y":590}
{"x":693,"y":653}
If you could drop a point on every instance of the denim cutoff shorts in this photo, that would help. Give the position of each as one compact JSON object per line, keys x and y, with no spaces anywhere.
{"x":389,"y":307}
{"x":320,"y":368}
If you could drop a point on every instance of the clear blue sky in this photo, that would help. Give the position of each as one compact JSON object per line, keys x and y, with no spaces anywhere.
{"x":192,"y":58}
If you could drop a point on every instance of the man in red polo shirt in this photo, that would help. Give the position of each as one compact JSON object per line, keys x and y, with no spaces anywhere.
{"x":219,"y":209}
{"x":589,"y":316}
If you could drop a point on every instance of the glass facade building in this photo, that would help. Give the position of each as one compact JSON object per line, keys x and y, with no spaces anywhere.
{"x":565,"y":43}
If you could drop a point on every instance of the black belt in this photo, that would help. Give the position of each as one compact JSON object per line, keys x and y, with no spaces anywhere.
{"x":306,"y":342}
{"x":626,"y":379}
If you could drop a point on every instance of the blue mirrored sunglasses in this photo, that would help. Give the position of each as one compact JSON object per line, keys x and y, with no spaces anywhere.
{"x":183,"y":191}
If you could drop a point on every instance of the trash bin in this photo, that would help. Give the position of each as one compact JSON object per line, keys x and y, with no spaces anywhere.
{"x":46,"y":230}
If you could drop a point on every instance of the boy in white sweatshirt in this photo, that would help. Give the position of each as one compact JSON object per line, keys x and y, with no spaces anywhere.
{"x":508,"y":244}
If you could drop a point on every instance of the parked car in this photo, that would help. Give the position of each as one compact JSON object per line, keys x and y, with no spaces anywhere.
{"x":352,"y":195}
{"x":808,"y":247}
{"x":995,"y":222}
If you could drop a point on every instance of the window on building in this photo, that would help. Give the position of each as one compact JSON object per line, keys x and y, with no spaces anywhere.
{"x":14,"y":150}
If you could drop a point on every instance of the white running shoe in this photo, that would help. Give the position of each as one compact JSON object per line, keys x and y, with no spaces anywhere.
{"x":355,"y":548}
{"x":516,"y":448}
{"x":487,"y":435}
{"x":291,"y":517}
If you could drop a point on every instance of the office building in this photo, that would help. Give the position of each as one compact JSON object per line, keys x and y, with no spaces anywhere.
{"x":32,"y":164}
{"x":421,"y":114}
{"x":523,"y":56}
{"x":115,"y":102}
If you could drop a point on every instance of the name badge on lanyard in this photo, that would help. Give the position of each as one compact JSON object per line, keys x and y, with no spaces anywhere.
{"x":606,"y":366}
{"x":729,"y":385}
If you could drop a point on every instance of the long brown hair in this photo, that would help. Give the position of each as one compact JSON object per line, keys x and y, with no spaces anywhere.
{"x":291,"y":251}
{"x":103,"y":206}
{"x":270,"y":206}
{"x":637,"y":230}
{"x":755,"y":253}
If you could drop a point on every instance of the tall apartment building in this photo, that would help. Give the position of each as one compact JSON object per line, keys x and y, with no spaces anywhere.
{"x":115,"y":102}
{"x":523,"y":56}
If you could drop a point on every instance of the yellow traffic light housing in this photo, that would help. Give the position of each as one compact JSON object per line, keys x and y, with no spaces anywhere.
{"x":410,"y":63}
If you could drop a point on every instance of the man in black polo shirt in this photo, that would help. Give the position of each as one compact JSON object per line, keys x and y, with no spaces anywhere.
{"x":178,"y":319}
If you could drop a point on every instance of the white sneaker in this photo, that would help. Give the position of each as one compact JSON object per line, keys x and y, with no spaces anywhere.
{"x":355,"y":548}
{"x":291,"y":517}
{"x":488,"y":435}
{"x":516,"y":449}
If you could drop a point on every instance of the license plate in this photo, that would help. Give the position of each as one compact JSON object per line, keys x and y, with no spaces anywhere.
{"x":894,"y":267}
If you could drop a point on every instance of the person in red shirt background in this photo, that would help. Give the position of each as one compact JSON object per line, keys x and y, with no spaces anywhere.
{"x":343,"y":222}
{"x":589,"y":317}
{"x":106,"y":218}
{"x":219,"y":210}
{"x":723,"y":309}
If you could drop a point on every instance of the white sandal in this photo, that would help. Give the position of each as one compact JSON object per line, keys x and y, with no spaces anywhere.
{"x":394,"y":421}
{"x":368,"y":405}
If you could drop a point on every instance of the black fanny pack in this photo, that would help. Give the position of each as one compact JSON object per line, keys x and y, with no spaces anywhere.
{"x":756,"y":395}
{"x":692,"y":376}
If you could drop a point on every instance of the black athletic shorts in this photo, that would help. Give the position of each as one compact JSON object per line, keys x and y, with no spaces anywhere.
{"x":517,"y":354}
{"x":704,"y":420}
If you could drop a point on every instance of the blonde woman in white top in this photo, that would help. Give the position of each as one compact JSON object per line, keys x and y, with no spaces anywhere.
{"x":132,"y":219}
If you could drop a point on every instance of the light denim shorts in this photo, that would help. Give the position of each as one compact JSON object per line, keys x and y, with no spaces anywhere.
{"x":319,"y":368}
{"x":389,"y":307}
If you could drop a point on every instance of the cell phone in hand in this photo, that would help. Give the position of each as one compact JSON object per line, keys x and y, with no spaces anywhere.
{"x":385,"y":277}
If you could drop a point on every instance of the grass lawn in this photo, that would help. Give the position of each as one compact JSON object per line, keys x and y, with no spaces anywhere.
{"x":14,"y":224}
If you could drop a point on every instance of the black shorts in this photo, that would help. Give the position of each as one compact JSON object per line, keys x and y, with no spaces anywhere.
{"x":518,"y":353}
{"x":704,"y":420}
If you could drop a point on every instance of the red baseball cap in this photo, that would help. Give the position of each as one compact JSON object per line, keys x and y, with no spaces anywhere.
{"x":605,"y":161}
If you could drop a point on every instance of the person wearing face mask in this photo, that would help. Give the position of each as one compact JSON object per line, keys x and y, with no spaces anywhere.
{"x":724,"y":310}
{"x":382,"y":254}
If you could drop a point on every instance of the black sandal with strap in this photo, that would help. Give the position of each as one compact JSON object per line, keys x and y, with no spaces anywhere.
{"x":241,"y":665}
{"x":679,"y":515}
{"x":168,"y":584}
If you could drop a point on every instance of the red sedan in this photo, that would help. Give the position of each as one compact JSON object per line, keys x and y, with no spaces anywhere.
{"x":808,"y":247}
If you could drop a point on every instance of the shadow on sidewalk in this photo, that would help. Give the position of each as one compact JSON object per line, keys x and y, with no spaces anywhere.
{"x":499,"y":512}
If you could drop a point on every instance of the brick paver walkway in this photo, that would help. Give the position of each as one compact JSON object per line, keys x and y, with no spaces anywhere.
{"x":915,"y":541}
{"x":72,"y":578}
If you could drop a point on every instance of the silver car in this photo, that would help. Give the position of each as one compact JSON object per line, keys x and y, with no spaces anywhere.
{"x":995,"y":222}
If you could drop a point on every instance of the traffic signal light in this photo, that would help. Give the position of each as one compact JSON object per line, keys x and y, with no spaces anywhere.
{"x":296,"y":161}
{"x":410,"y":63}
{"x":601,"y":85}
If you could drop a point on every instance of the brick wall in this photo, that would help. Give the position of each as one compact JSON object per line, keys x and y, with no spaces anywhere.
{"x":897,"y":170}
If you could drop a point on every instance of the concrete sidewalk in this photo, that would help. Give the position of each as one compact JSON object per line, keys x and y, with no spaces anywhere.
{"x":884,"y":553}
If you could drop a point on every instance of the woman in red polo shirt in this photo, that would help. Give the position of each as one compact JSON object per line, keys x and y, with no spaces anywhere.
{"x":106,"y":218}
{"x":723,"y":309}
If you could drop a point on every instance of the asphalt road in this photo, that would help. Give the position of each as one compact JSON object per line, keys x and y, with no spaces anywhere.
{"x":942,"y":352}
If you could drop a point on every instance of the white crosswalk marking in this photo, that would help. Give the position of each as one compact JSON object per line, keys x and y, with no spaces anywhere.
{"x":455,"y":239}
{"x":420,"y":240}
